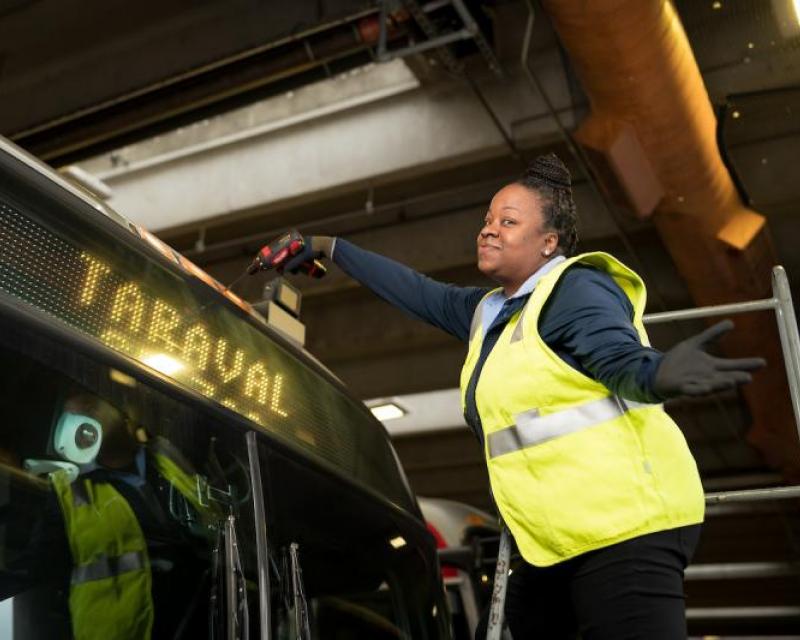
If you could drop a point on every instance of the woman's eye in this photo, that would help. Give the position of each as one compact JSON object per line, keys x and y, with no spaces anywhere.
{"x":508,"y":222}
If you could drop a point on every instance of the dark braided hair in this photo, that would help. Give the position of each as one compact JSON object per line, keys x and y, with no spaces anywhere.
{"x":550,"y":180}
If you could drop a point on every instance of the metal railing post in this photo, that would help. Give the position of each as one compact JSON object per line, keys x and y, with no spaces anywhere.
{"x":790,"y":340}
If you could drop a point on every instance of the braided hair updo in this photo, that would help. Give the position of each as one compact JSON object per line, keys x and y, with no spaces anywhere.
{"x":550,"y":180}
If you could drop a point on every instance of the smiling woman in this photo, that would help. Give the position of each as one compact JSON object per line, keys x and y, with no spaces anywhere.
{"x":528,"y":222}
{"x":561,"y":387}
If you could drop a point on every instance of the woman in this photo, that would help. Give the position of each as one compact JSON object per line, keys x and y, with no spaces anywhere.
{"x":591,"y":476}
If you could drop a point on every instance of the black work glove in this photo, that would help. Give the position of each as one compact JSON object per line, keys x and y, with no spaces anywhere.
{"x":315,"y":247}
{"x":687,"y":369}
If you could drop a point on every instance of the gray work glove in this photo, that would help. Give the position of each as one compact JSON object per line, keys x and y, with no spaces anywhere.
{"x":315,"y":247}
{"x":687,"y":369}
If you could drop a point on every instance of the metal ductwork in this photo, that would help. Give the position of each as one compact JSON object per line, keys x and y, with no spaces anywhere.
{"x":651,"y":138}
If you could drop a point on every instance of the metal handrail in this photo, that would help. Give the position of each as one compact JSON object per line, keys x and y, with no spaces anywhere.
{"x":781,"y":303}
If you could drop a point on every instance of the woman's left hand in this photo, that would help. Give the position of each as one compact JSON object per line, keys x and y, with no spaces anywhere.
{"x":687,"y":369}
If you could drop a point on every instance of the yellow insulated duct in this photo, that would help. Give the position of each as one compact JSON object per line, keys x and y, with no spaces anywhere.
{"x":652,"y":124}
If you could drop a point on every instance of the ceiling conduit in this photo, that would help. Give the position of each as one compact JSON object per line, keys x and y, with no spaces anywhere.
{"x":651,"y":137}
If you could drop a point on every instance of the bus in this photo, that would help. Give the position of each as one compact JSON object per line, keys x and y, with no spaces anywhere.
{"x":172,"y":467}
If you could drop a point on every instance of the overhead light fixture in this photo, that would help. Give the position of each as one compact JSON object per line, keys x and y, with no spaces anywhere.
{"x":398,"y":543}
{"x":163,"y":363}
{"x":787,"y":14}
{"x":387,"y":411}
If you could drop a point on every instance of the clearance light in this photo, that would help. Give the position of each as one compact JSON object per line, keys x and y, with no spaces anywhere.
{"x":398,"y":543}
{"x":387,"y":411}
{"x":163,"y":363}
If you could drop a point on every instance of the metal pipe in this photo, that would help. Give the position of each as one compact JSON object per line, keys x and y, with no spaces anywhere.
{"x":439,"y":41}
{"x":477,"y":35}
{"x":230,"y":579}
{"x":790,"y":340}
{"x":421,"y":18}
{"x":262,"y":550}
{"x":741,"y":570}
{"x":749,"y":495}
{"x":741,"y":613}
{"x":713,"y":310}
{"x":515,"y":152}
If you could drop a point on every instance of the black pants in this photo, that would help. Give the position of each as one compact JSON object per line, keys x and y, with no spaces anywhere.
{"x":632,"y":590}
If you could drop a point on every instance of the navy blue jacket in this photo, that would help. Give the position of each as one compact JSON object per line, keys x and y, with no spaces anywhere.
{"x":586,"y":321}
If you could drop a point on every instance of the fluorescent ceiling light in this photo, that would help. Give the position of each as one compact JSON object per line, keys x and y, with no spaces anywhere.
{"x":163,"y":363}
{"x":387,"y":411}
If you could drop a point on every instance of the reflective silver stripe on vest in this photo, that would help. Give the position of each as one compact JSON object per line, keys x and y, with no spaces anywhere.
{"x":477,"y":319}
{"x":107,"y":567}
{"x":517,"y":335}
{"x":532,"y":429}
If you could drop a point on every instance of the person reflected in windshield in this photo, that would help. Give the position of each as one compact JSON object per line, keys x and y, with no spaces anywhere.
{"x":128,"y":530}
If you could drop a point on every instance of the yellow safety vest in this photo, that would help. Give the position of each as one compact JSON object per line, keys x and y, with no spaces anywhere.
{"x":110,"y":589}
{"x":572,"y":467}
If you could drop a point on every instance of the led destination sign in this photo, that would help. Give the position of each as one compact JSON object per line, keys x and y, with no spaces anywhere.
{"x":70,"y":269}
{"x":141,"y":319}
{"x":184,"y":347}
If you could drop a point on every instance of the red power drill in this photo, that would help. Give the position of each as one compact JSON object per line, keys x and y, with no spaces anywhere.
{"x":278,"y":252}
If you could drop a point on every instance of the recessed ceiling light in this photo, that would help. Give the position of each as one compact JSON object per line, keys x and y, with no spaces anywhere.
{"x":398,"y":542}
{"x":387,"y":411}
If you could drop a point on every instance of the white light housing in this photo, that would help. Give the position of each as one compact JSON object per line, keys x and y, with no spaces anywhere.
{"x":387,"y":411}
{"x":163,"y":363}
{"x":398,"y":543}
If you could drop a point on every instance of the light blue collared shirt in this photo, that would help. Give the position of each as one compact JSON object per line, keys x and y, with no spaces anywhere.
{"x":494,"y":303}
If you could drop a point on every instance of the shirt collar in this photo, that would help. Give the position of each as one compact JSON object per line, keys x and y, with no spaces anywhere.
{"x":530,"y":284}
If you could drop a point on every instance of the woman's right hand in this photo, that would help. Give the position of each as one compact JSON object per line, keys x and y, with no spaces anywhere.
{"x":315,"y":247}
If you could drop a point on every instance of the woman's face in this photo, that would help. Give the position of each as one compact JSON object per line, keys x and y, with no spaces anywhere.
{"x":513,"y":243}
